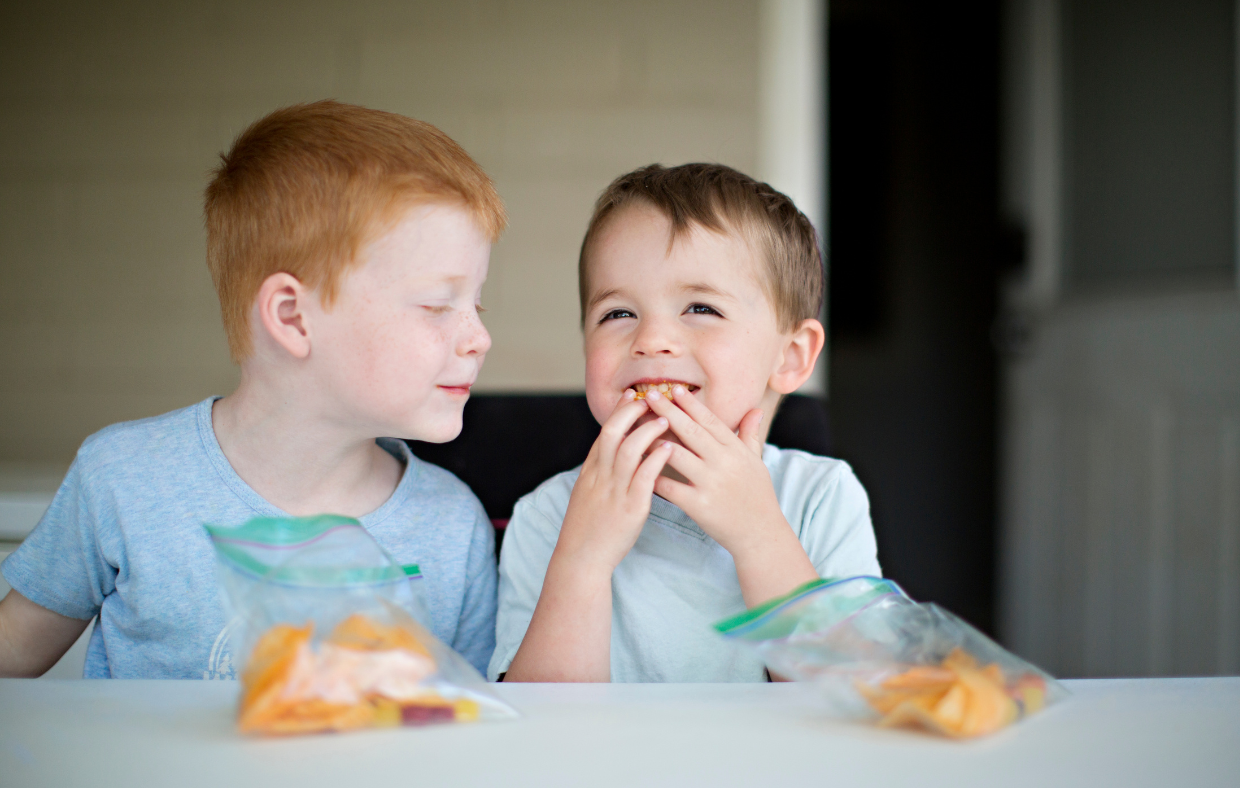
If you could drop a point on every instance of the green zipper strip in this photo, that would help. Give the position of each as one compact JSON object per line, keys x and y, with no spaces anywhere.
{"x":234,"y":545}
{"x":753,"y":616}
{"x":309,"y":575}
{"x":740,"y":620}
{"x":280,"y":531}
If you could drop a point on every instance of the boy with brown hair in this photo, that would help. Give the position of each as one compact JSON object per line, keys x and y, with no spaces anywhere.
{"x":700,"y":295}
{"x":348,"y":247}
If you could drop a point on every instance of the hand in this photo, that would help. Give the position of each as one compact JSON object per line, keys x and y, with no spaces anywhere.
{"x":729,"y":492}
{"x":730,"y":495}
{"x":611,"y":498}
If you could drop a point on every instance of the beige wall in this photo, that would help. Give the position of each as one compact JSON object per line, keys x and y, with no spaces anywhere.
{"x":114,"y":112}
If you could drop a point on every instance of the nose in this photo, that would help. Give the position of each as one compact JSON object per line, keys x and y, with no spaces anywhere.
{"x":656,"y":338}
{"x":475,"y":339}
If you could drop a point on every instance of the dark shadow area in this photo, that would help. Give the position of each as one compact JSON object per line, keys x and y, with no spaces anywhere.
{"x":509,"y":444}
{"x":914,"y":259}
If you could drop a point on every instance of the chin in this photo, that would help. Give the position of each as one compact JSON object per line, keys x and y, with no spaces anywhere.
{"x":441,"y":434}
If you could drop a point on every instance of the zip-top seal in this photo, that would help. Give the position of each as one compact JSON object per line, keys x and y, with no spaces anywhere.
{"x":769,"y":620}
{"x":261,"y":547}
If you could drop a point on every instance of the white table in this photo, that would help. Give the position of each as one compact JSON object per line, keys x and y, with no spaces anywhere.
{"x":1169,"y":732}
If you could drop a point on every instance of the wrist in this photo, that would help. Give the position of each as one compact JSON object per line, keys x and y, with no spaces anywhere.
{"x":757,"y":534}
{"x":773,"y":568}
{"x":581,"y":566}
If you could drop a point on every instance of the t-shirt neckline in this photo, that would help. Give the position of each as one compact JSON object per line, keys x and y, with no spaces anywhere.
{"x":264,"y":508}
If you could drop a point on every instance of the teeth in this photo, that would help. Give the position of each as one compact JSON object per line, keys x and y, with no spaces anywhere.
{"x":665,"y":387}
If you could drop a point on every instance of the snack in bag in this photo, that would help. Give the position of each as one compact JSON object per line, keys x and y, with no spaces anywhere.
{"x":326,"y":624}
{"x":881,"y":657}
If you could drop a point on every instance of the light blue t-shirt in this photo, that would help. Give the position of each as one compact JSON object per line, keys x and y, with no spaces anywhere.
{"x":677,"y":581}
{"x":123,"y":540}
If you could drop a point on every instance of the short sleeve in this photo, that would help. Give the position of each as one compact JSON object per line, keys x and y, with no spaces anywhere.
{"x":475,"y":633}
{"x":63,"y":565}
{"x":528,"y":544}
{"x":838,"y":535}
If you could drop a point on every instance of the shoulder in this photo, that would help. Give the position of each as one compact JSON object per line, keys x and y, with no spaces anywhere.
{"x":136,"y":447}
{"x":813,"y":490}
{"x":532,"y":533}
{"x":549,"y":499}
{"x":829,"y":510}
{"x":436,"y":497}
{"x":433,"y":481}
{"x":432,"y":513}
{"x":793,"y":470}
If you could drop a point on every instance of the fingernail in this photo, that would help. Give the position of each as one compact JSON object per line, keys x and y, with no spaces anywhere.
{"x":654,"y":394}
{"x":678,"y":390}
{"x":662,"y":423}
{"x":629,"y":393}
{"x":666,"y":445}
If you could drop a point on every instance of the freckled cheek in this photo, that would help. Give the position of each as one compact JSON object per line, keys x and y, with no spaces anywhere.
{"x":393,"y":347}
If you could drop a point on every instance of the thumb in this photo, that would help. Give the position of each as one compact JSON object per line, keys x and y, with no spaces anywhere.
{"x":751,"y":430}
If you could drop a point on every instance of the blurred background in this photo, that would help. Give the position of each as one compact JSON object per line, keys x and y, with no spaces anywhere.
{"x":1029,"y":210}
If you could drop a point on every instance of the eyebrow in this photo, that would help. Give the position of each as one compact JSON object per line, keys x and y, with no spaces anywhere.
{"x":704,"y":289}
{"x":600,"y":297}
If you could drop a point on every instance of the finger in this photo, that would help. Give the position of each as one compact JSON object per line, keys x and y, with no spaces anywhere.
{"x":617,"y":427}
{"x":689,"y":464}
{"x":691,"y":434}
{"x":701,"y":414}
{"x":631,"y":450}
{"x":678,"y":493}
{"x":648,"y":472}
{"x":751,"y":430}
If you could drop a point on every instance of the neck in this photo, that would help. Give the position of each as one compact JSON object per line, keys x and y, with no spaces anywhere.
{"x":293,"y":451}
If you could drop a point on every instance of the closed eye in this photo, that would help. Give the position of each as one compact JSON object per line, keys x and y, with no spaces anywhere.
{"x":702,"y":309}
{"x":437,"y":309}
{"x":616,"y":314}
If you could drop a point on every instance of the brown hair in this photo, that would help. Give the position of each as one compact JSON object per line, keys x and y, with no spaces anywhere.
{"x":303,"y":189}
{"x":721,"y":199}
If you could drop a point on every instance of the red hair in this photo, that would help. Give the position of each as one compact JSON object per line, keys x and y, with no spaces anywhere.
{"x":303,"y":189}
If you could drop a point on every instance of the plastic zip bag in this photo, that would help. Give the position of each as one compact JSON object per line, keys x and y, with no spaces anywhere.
{"x":328,"y":627}
{"x":880,"y":657}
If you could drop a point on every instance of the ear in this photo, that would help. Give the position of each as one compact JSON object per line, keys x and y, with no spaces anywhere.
{"x":801,"y":351}
{"x":281,"y":308}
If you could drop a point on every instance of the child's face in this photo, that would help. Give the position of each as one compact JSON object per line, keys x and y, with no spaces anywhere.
{"x":403,"y":343}
{"x":695,"y":314}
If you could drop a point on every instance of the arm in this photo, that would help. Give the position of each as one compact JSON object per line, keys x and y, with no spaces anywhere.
{"x":33,"y":638}
{"x":569,"y":636}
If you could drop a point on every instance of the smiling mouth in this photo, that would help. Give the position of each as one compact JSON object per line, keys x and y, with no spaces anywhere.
{"x":662,"y":386}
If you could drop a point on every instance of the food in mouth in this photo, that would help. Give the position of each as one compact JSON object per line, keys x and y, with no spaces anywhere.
{"x":663,"y":386}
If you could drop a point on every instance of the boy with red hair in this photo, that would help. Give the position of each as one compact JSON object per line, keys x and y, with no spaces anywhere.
{"x":348,"y":247}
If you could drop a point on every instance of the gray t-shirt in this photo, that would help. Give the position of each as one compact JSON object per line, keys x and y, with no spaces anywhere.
{"x":677,"y":581}
{"x":123,"y":540}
